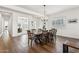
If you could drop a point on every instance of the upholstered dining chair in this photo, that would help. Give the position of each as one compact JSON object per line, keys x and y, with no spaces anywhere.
{"x":33,"y":31}
{"x":54,"y":31}
{"x":39,"y":30}
{"x":51,"y":36}
{"x":45,"y":36}
{"x":30,"y":37}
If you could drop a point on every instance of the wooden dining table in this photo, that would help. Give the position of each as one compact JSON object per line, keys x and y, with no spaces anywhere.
{"x":39,"y":38}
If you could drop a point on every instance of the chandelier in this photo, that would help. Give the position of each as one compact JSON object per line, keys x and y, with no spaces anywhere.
{"x":44,"y":18}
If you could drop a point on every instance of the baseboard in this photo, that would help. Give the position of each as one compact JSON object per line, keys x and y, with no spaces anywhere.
{"x":67,"y":37}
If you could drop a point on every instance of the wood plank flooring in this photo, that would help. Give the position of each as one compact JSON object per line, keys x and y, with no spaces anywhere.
{"x":19,"y":44}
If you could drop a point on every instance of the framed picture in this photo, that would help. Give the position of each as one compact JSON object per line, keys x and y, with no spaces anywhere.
{"x":74,"y":20}
{"x":59,"y":22}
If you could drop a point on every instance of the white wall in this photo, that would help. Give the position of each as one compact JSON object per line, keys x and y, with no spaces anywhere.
{"x":70,"y":29}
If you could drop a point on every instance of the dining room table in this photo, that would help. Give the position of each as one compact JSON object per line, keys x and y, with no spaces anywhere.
{"x":37,"y":38}
{"x":40,"y":38}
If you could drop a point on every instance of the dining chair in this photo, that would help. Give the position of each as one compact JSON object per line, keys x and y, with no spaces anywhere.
{"x":45,"y":36}
{"x":50,"y":36}
{"x":33,"y":31}
{"x":54,"y":31}
{"x":30,"y":37}
{"x":38,"y":37}
{"x":39,"y":30}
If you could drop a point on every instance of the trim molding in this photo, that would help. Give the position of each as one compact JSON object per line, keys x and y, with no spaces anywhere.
{"x":67,"y":37}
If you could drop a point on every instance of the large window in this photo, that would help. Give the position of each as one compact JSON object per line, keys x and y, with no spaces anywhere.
{"x":22,"y":23}
{"x":26,"y":23}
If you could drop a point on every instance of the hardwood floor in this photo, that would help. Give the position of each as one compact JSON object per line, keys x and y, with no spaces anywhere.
{"x":20,"y":45}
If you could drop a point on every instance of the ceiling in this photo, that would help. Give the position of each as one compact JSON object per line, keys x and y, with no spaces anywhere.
{"x":50,"y":9}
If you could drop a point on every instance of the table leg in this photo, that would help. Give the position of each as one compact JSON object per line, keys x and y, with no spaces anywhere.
{"x":65,"y":48}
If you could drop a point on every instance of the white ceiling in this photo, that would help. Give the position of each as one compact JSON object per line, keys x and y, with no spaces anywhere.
{"x":50,"y":9}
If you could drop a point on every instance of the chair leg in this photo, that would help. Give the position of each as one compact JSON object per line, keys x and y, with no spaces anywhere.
{"x":28,"y":42}
{"x":55,"y":39}
{"x":31,"y":43}
{"x":65,"y":48}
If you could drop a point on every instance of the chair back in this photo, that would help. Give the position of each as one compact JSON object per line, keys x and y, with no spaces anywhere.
{"x":54,"y":31}
{"x":39,"y":30}
{"x":45,"y":33}
{"x":50,"y":34}
{"x":29,"y":34}
{"x":50,"y":31}
{"x":33,"y":31}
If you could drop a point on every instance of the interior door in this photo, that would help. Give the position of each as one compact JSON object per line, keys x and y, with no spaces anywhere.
{"x":6,"y":20}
